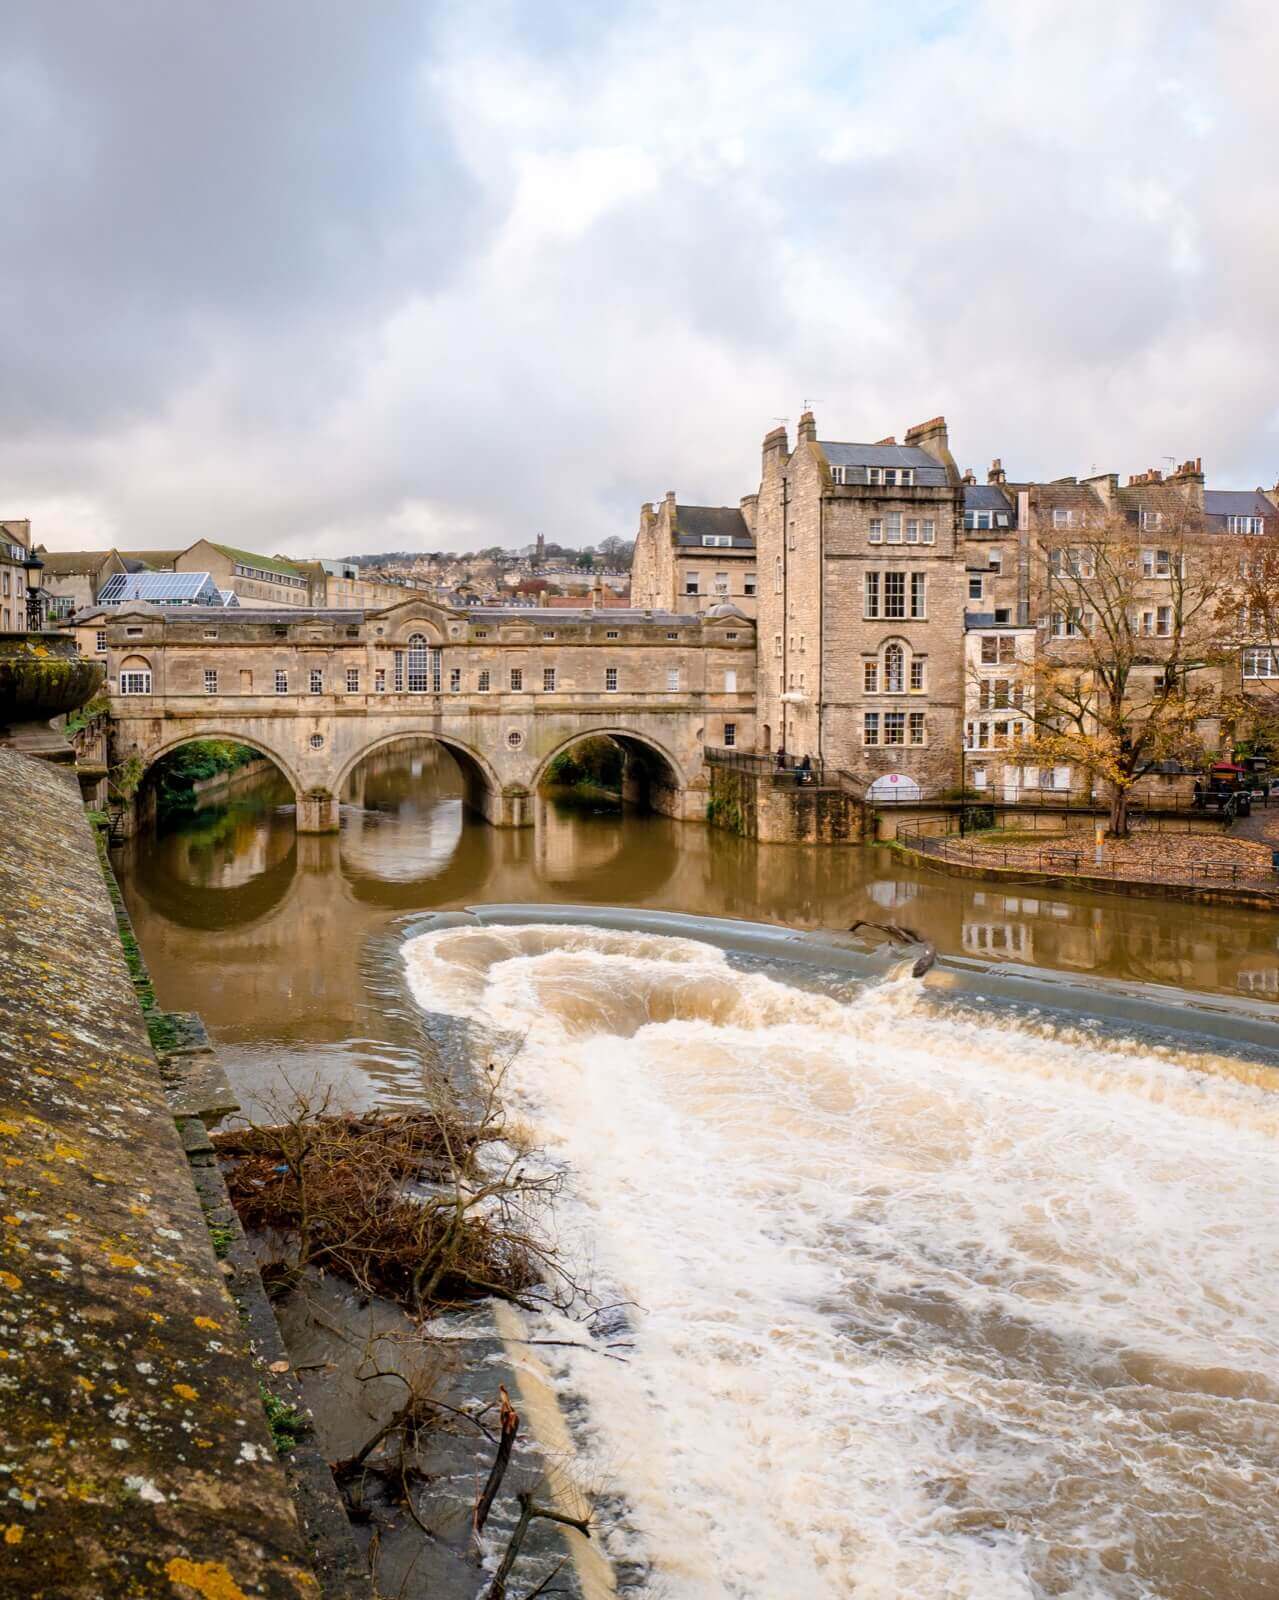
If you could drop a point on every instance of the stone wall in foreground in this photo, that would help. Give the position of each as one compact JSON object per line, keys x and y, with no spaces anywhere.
{"x":134,"y":1450}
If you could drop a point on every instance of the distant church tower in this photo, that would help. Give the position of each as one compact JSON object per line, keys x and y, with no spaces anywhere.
{"x":539,"y":558}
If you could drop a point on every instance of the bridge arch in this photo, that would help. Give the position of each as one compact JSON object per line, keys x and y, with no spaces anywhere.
{"x":232,"y":735}
{"x":653,"y":775}
{"x":482,"y":788}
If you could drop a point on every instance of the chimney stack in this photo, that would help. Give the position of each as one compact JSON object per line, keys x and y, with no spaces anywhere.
{"x":996,"y":473}
{"x":806,"y":433}
{"x":1188,"y":480}
{"x":931,"y":437}
{"x":969,"y":475}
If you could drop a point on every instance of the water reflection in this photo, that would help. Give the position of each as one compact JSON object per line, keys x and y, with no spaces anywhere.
{"x":283,"y":942}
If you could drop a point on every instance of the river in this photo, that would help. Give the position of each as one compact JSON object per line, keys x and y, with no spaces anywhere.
{"x":930,"y":1302}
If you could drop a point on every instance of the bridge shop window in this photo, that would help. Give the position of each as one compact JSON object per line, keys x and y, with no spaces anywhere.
{"x":211,"y":681}
{"x":352,"y":680}
{"x":281,"y":682}
{"x":484,"y":682}
{"x":610,"y":680}
{"x":317,"y":681}
{"x":379,"y":680}
{"x":135,"y":676}
{"x":517,"y":678}
{"x":548,"y":679}
{"x":455,"y":680}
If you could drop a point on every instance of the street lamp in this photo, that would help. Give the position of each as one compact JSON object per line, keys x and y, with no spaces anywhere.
{"x":33,"y":567}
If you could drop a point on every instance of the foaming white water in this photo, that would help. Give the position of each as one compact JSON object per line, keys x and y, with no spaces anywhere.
{"x":934,"y":1305}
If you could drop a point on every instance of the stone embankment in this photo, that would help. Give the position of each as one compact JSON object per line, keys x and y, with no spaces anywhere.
{"x":135,"y":1457}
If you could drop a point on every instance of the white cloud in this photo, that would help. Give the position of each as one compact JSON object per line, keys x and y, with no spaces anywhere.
{"x":354,"y":286}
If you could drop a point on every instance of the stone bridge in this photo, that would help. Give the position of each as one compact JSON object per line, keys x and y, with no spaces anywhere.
{"x":504,"y":691}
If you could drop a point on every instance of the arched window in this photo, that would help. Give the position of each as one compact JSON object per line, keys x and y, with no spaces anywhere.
{"x":423,"y":666}
{"x":894,"y":669}
{"x":135,"y":675}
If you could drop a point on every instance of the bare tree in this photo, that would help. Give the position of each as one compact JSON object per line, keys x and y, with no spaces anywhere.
{"x":1131,"y":655}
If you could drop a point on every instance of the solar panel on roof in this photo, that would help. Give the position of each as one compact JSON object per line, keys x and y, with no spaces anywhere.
{"x":160,"y":588}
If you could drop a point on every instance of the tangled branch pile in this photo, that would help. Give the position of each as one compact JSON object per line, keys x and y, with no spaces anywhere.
{"x":429,"y":1208}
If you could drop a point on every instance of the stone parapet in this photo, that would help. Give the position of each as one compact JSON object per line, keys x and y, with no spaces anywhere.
{"x":135,"y":1451}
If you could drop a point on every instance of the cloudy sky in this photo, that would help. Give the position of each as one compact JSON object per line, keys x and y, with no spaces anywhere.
{"x":316,"y":276}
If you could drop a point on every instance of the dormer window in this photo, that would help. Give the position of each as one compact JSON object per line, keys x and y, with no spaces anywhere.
{"x":837,"y":475}
{"x":1256,"y":525}
{"x":1150,"y":520}
{"x":717,"y":539}
{"x":1066,"y":517}
{"x":979,"y":521}
{"x":891,"y":477}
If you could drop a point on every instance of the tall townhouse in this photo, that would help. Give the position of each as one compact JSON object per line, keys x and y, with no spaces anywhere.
{"x":690,"y":558}
{"x":860,"y":623}
{"x":999,"y":633}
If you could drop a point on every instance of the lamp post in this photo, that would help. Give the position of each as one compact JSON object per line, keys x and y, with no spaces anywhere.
{"x":33,"y":567}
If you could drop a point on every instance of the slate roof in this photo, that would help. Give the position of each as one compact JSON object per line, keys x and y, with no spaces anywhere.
{"x":1221,"y":503}
{"x":929,"y":472}
{"x":69,"y":563}
{"x":989,"y":497}
{"x":692,"y":523}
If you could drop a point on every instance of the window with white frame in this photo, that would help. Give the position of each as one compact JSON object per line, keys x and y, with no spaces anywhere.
{"x":548,"y":679}
{"x":730,"y":680}
{"x":1071,"y":561}
{"x":837,"y":475}
{"x":1252,"y":525}
{"x":918,"y":595}
{"x":692,"y":583}
{"x":920,"y":530}
{"x":719,"y":540}
{"x":610,"y":680}
{"x":353,"y":680}
{"x":870,"y":727}
{"x":1067,"y":517}
{"x":894,"y":594}
{"x":611,"y":633}
{"x":893,"y":528}
{"x":979,"y":521}
{"x":976,"y":586}
{"x":281,"y":681}
{"x":894,"y":668}
{"x":730,"y":734}
{"x":1157,"y":563}
{"x":484,"y":680}
{"x":748,"y":584}
{"x":1259,"y":662}
{"x":135,"y":676}
{"x":1163,"y":621}
{"x":100,"y":640}
{"x":994,"y":561}
{"x":777,"y":575}
{"x":517,"y":678}
{"x":317,"y":681}
{"x":891,"y":477}
{"x":423,"y":665}
{"x":894,"y":727}
{"x":870,"y":677}
{"x":917,"y":727}
{"x":398,"y":679}
{"x":1150,"y":520}
{"x":379,"y":680}
{"x":916,"y":674}
{"x":210,"y":680}
{"x":672,"y":680}
{"x":455,"y":680}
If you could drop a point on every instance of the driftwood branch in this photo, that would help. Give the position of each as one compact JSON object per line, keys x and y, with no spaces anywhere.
{"x":528,"y":1510}
{"x":509,"y":1426}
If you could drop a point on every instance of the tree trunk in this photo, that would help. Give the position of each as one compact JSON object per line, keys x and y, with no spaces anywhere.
{"x":1118,"y":812}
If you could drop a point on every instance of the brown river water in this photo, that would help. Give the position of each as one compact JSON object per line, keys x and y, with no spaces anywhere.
{"x":931,"y":1300}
